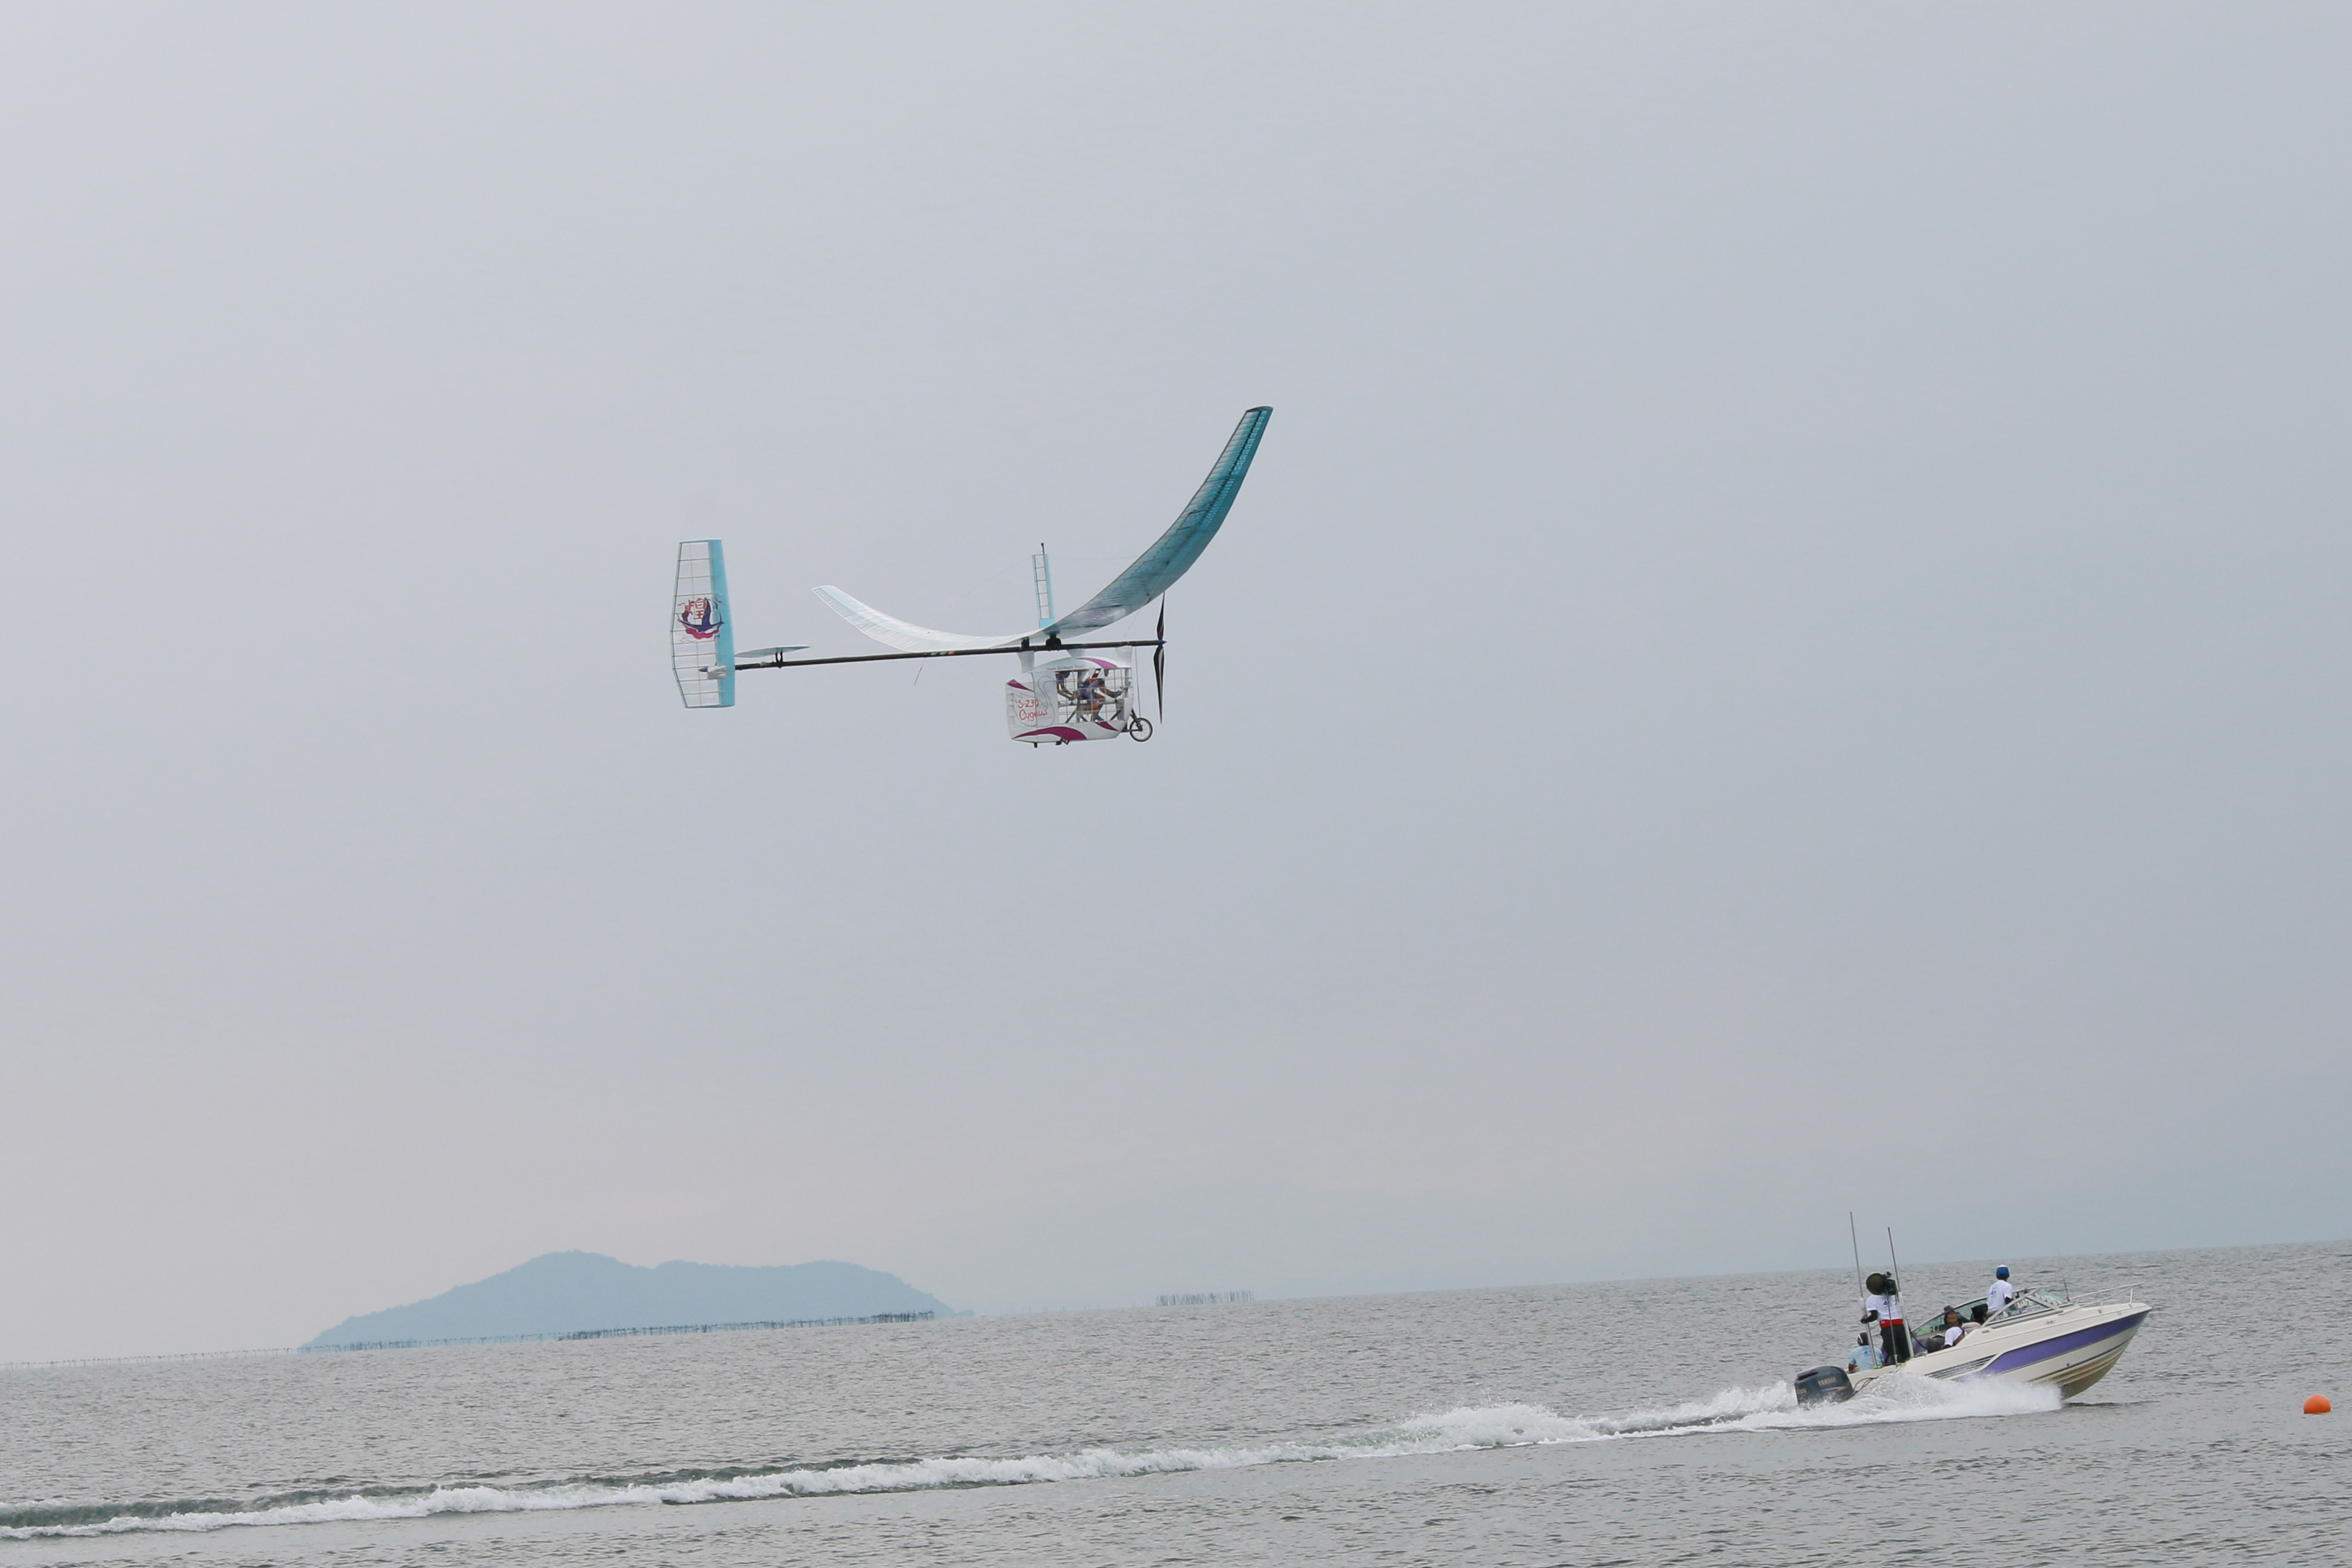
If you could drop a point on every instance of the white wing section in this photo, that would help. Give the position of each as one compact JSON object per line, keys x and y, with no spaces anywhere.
{"x":903,"y":636}
{"x":1153,"y":573}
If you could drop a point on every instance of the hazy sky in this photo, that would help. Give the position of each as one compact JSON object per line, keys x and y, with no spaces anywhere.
{"x":1785,"y":652}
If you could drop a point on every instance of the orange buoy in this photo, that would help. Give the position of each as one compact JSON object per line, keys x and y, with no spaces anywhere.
{"x":2316,"y":1406}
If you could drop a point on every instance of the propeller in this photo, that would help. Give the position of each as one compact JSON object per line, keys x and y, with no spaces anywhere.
{"x":1160,"y":664}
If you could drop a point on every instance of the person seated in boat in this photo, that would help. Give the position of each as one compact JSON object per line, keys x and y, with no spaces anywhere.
{"x":1954,"y":1329}
{"x":1863,"y":1358}
{"x":2002,"y":1293}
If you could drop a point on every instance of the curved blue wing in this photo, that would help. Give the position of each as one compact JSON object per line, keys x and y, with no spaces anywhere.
{"x":1153,"y":573}
{"x":1173,"y":554}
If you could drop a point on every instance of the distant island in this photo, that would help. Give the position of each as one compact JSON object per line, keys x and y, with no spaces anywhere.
{"x":577,"y":1292}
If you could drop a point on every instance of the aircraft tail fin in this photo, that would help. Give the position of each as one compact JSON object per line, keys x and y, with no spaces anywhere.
{"x":702,"y":626}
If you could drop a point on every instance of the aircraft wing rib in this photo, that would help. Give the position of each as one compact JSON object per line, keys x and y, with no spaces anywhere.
{"x":1157,"y":568}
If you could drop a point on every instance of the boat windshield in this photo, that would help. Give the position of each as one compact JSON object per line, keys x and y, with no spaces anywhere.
{"x":2028,"y":1303}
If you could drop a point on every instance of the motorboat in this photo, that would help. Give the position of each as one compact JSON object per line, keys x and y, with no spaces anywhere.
{"x":2042,"y":1336}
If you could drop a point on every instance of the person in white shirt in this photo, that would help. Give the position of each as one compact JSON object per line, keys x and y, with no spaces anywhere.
{"x":1884,"y":1305}
{"x":1953,"y":1328}
{"x":2002,"y":1293}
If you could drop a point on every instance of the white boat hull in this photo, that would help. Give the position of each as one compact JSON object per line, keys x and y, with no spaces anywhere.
{"x":2069,"y":1349}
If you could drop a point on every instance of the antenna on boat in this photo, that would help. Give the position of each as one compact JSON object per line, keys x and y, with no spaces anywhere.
{"x":1891,"y":1262}
{"x":1856,"y":1236}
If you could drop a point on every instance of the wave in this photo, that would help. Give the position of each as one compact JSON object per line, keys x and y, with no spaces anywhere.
{"x":1767,"y":1408}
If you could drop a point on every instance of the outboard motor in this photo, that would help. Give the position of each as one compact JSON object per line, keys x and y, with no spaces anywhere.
{"x":1823,"y":1386}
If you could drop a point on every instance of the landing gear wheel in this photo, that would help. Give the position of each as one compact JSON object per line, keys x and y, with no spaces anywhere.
{"x":1138,"y":728}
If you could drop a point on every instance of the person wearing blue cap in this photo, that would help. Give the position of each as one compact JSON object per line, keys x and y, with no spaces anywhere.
{"x":2002,"y":1293}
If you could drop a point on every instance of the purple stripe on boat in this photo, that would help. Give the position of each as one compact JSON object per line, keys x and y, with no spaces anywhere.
{"x":2026,"y":1355}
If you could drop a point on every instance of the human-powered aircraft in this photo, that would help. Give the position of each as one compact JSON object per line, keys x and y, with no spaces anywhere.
{"x":1067,"y":691}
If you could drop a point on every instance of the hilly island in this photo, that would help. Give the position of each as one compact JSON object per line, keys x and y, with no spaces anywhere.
{"x":581,"y":1292}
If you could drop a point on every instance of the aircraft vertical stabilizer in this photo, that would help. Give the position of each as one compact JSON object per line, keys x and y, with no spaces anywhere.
{"x":702,"y":628}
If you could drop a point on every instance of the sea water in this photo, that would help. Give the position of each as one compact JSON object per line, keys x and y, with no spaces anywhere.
{"x":1648,"y":1422}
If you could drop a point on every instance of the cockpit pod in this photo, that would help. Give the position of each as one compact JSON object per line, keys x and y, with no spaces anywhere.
{"x":1078,"y":699}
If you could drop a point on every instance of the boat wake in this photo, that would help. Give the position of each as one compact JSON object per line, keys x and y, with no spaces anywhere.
{"x":1771,"y":1407}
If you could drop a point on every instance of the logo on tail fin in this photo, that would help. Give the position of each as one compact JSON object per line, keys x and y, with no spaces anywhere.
{"x":700,"y":616}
